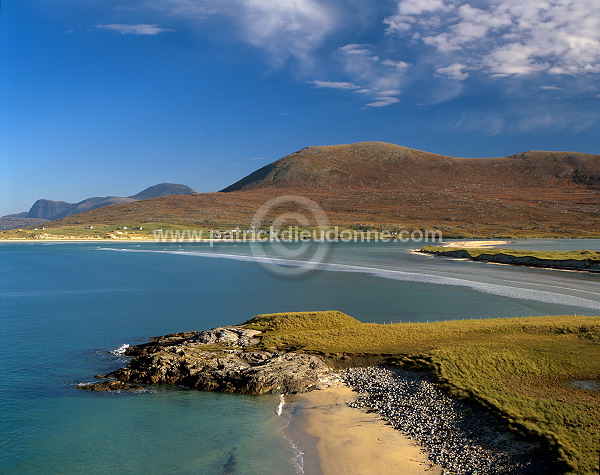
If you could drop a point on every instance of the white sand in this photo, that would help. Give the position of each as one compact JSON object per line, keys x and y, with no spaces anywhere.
{"x":471,"y":244}
{"x":351,"y":441}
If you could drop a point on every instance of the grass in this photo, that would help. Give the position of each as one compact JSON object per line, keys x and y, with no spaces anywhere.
{"x":520,"y":368}
{"x":184,"y":230}
{"x":581,"y":255}
{"x":104,"y":231}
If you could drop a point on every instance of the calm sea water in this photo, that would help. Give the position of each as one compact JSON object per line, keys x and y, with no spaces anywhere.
{"x":64,"y":307}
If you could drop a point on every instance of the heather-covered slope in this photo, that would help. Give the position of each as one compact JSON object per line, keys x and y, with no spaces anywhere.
{"x":372,"y":183}
{"x":382,"y":166}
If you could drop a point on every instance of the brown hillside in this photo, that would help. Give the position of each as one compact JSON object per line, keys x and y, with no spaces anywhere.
{"x":371,"y":183}
{"x":384,"y":166}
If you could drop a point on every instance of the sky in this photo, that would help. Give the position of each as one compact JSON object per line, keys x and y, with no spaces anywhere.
{"x":108,"y":97}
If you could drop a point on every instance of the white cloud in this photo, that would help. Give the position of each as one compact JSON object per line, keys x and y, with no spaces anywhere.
{"x":359,"y":50}
{"x":334,"y":85}
{"x":381,"y":79}
{"x":506,"y":37}
{"x":408,"y":10}
{"x":140,"y":29}
{"x":399,"y":65}
{"x":283,"y":28}
{"x":383,"y":101}
{"x":417,"y":7}
{"x":259,"y":158}
{"x":421,"y":44}
{"x":390,"y":92}
{"x":551,"y":88}
{"x":454,"y":71}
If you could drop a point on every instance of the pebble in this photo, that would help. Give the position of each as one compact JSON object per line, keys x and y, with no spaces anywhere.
{"x":458,"y":435}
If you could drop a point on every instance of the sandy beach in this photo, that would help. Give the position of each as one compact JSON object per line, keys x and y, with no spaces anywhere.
{"x":351,"y":441}
{"x":473,"y":244}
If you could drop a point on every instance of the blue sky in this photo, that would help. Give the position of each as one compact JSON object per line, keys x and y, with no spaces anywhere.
{"x":107,"y":97}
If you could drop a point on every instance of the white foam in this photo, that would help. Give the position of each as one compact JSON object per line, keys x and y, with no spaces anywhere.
{"x":279,"y":407}
{"x":298,"y":458}
{"x":511,"y":291}
{"x":120,"y":350}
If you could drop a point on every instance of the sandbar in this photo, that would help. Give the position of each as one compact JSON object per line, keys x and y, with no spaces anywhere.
{"x":474,"y":244}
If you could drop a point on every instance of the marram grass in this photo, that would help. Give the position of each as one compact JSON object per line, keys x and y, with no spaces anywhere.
{"x":521,"y":368}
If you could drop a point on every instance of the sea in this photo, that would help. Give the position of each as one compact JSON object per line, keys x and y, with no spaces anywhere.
{"x":68,"y":309}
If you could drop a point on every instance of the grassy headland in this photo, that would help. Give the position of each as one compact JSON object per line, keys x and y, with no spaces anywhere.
{"x":523,"y":369}
{"x":574,"y":260}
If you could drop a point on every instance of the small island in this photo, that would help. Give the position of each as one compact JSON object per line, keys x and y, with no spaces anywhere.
{"x":515,"y":393}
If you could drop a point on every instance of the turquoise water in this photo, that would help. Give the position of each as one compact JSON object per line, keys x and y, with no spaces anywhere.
{"x":64,"y":307}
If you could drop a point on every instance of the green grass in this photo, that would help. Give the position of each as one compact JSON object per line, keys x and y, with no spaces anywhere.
{"x":103,"y":231}
{"x":582,"y":255}
{"x":302,"y":321}
{"x":520,"y":368}
{"x":201,"y":231}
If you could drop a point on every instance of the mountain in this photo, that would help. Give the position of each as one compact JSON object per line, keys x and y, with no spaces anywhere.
{"x":44,"y":210}
{"x":14,"y":222}
{"x":378,"y":165}
{"x":533,"y":193}
{"x":163,"y":189}
{"x":49,"y":209}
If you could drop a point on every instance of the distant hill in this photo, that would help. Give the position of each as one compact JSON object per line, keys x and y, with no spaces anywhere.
{"x":47,"y":210}
{"x":12,"y":222}
{"x":163,"y":189}
{"x":534,"y":193}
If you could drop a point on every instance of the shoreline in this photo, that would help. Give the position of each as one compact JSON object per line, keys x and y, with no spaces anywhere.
{"x":551,"y":260}
{"x":339,"y":439}
{"x":390,"y":421}
{"x":452,"y":244}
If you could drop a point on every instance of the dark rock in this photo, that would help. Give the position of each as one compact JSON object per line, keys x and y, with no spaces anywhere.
{"x":589,"y":265}
{"x":220,"y":360}
{"x":110,"y":386}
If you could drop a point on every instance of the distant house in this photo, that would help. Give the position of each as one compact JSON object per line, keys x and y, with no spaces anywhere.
{"x":124,"y":227}
{"x":90,"y":227}
{"x":138,"y":228}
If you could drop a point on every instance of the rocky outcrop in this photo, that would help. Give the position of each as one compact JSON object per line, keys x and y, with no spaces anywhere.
{"x":110,"y":386}
{"x":530,"y":261}
{"x":221,"y":359}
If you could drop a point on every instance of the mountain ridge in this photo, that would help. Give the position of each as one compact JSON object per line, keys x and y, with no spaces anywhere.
{"x":533,"y":193}
{"x":48,"y":210}
{"x":346,"y":165}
